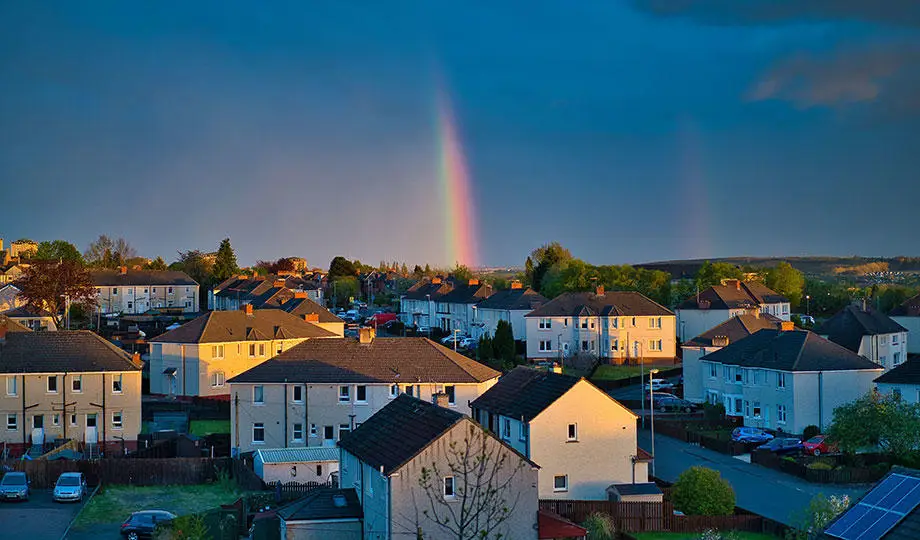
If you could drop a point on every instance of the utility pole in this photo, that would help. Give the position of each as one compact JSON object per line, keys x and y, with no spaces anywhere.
{"x":236,"y":422}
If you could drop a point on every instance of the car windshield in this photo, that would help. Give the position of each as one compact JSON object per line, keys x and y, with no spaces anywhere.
{"x":68,"y":481}
{"x":13,"y":480}
{"x":816,"y":440}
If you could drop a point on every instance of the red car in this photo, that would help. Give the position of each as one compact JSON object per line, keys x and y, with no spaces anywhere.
{"x":818,"y":445}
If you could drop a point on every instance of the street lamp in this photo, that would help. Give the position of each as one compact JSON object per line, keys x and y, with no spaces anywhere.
{"x":455,"y":332}
{"x":637,"y":349}
{"x":651,"y":408}
{"x":807,"y":304}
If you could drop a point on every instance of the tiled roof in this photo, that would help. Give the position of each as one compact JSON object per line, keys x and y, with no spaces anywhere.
{"x":420,"y":290}
{"x":514,"y":300}
{"x":384,"y":360}
{"x":323,"y":504}
{"x":114,"y":278}
{"x":398,"y":432}
{"x":793,"y":350}
{"x":271,"y":298}
{"x":848,"y":326}
{"x":27,"y":311}
{"x":647,"y":488}
{"x":467,"y":294}
{"x":524,"y":392}
{"x":906,"y":373}
{"x":63,"y":351}
{"x":223,"y":326}
{"x":743,"y":295}
{"x":304,"y":306}
{"x":302,"y":454}
{"x":909,"y":308}
{"x":736,"y":328}
{"x":609,"y":304}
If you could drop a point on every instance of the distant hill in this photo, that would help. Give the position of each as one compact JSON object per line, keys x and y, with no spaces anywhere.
{"x":814,"y":266}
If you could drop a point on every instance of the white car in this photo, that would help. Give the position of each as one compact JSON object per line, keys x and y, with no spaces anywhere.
{"x":659,"y":384}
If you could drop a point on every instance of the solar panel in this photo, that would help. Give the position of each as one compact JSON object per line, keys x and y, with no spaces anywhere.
{"x":899,"y":492}
{"x":880,"y":510}
{"x":844,"y":522}
{"x":909,"y":502}
{"x":882,"y":489}
{"x":880,"y":527}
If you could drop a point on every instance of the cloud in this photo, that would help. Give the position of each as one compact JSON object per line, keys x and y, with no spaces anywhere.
{"x":883,"y":76}
{"x":734,"y":12}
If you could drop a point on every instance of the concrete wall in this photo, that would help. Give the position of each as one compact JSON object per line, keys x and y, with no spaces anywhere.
{"x":909,"y":392}
{"x":140,"y":298}
{"x":489,"y":319}
{"x":323,"y":529}
{"x":693,"y":322}
{"x":615,"y":338}
{"x":695,"y":372}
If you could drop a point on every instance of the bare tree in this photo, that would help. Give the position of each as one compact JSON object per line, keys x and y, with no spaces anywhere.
{"x":483,"y":497}
{"x":105,"y":252}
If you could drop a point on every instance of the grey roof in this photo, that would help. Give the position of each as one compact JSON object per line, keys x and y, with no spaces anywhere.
{"x":734,"y":295}
{"x":384,"y":360}
{"x":114,"y":278}
{"x":321,"y":504}
{"x":908,"y":308}
{"x":63,"y":351}
{"x":223,"y":326}
{"x":848,"y":326}
{"x":736,"y":328}
{"x":514,"y":300}
{"x":305,"y":306}
{"x":467,"y":294}
{"x":647,"y":488}
{"x":23,"y":312}
{"x":609,"y":304}
{"x":398,"y":432}
{"x":792,"y":350}
{"x":906,"y":373}
{"x":300,"y":454}
{"x":426,"y":288}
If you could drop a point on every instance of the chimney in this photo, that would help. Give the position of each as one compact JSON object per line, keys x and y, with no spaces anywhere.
{"x":136,"y":359}
{"x":516,"y":285}
{"x":736,"y":283}
{"x":703,"y":304}
{"x":278,"y":283}
{"x":366,"y":334}
{"x":440,"y":399}
{"x":122,"y":270}
{"x":435,"y":281}
{"x":473,"y":281}
{"x":311,"y":317}
{"x":300,"y":294}
{"x":247,"y":309}
{"x":600,"y":290}
{"x":720,"y":341}
{"x":787,"y":326}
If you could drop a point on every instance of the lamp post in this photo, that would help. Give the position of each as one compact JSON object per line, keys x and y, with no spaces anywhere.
{"x":651,"y":409}
{"x":455,"y":332}
{"x":807,"y":304}
{"x":637,"y":351}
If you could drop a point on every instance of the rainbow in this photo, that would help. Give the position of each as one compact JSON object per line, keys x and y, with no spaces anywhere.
{"x":459,"y":219}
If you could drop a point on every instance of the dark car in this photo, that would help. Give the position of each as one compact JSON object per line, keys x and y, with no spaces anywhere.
{"x":143,"y":524}
{"x":782,"y":445}
{"x":14,"y":487}
{"x":667,"y":404}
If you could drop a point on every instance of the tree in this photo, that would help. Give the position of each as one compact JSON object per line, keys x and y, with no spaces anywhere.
{"x":225,"y":262}
{"x":812,"y":521}
{"x":544,"y":258}
{"x":787,"y":281}
{"x":881,"y":420}
{"x":503,"y":342}
{"x":700,"y":491}
{"x":157,"y":264}
{"x":51,"y":285}
{"x":528,"y":271}
{"x":484,"y":351}
{"x":600,"y":527}
{"x":341,"y":267}
{"x":462,"y":273}
{"x":344,"y":289}
{"x":58,"y":250}
{"x":713,"y":273}
{"x":108,"y":253}
{"x":428,"y":271}
{"x":198,"y":268}
{"x":417,"y":272}
{"x":485,"y":497}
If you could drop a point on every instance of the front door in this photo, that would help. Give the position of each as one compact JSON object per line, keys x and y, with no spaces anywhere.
{"x":92,"y":435}
{"x":38,"y":431}
{"x":328,"y":436}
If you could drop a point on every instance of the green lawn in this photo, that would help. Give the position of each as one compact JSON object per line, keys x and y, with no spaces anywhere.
{"x":115,"y":503}
{"x":695,"y":536}
{"x":608,"y":372}
{"x":207,"y":427}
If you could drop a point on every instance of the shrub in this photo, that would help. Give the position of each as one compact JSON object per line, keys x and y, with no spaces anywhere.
{"x":703,"y":492}
{"x":713,"y":534}
{"x":810,"y":431}
{"x":820,"y":466}
{"x":600,"y":527}
{"x":713,"y":414}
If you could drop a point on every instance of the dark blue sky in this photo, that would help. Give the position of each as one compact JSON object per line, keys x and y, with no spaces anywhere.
{"x":629,"y":130}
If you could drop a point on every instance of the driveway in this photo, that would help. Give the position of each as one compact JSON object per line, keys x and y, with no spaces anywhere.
{"x":39,"y":518}
{"x":764,"y":491}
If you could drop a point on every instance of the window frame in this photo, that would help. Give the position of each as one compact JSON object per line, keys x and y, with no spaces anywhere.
{"x":118,"y":385}
{"x":571,"y":433}
{"x":294,"y":430}
{"x":218,"y":379}
{"x":344,"y":393}
{"x":294,"y":392}
{"x":258,"y":426}
{"x":120,"y":423}
{"x":449,"y":481}
{"x":358,"y":389}
{"x":15,"y":385}
{"x":260,"y":389}
{"x":76,"y":384}
{"x":48,"y":389}
{"x":451,"y":392}
{"x":14,"y":425}
{"x":565,"y":483}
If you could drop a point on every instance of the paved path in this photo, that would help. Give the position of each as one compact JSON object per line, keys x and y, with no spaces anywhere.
{"x":39,"y":518}
{"x":764,"y":491}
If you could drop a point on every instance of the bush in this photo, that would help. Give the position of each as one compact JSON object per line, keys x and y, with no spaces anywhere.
{"x":810,"y":431}
{"x":600,"y":527}
{"x":703,"y":492}
{"x":713,"y":414}
{"x":820,"y":466}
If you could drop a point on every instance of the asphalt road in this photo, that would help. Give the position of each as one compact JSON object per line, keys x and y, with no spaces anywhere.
{"x":39,"y":518}
{"x":764,"y":491}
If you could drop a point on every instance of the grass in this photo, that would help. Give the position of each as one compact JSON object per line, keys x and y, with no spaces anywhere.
{"x":207,"y":427}
{"x":116,"y":503}
{"x":694,"y":536}
{"x":609,"y":372}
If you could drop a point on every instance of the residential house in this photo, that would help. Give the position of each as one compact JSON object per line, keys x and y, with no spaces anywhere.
{"x":33,"y":318}
{"x":903,"y":380}
{"x":323,"y":514}
{"x":509,"y":305}
{"x":316,"y":392}
{"x":10,"y":298}
{"x":260,"y":291}
{"x":785,"y":379}
{"x":315,"y":464}
{"x":583,"y":439}
{"x":406,"y":463}
{"x":67,"y":385}
{"x":613,"y":326}
{"x":199,"y":357}
{"x":9,"y":325}
{"x":720,"y":303}
{"x":300,"y":305}
{"x":907,"y":315}
{"x":456,"y":310}
{"x":869,"y":333}
{"x":417,"y":305}
{"x":12,"y":272}
{"x":730,"y":331}
{"x":137,"y":291}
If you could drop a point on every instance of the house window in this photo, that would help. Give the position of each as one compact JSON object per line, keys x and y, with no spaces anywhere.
{"x":297,"y":394}
{"x":894,"y":339}
{"x":615,"y":344}
{"x":258,"y":433}
{"x":261,"y":349}
{"x":883,"y":339}
{"x":73,"y":420}
{"x":328,"y":433}
{"x":114,"y":291}
{"x":258,"y":395}
{"x":409,"y":389}
{"x":145,"y":291}
{"x":116,"y":420}
{"x":313,"y":430}
{"x":572,"y":434}
{"x":130,"y":304}
{"x":780,"y":414}
{"x":56,"y":419}
{"x":12,"y":386}
{"x":613,"y":322}
{"x":280,"y":348}
{"x":523,"y":431}
{"x":584,"y":323}
{"x":780,"y":380}
{"x":298,"y":432}
{"x":154,"y":290}
{"x":756,"y":409}
{"x":896,"y":358}
{"x":12,"y":423}
{"x":546,"y":345}
{"x":654,"y":322}
{"x":633,"y":322}
{"x":747,"y":408}
{"x":451,"y":392}
{"x":882,"y":360}
{"x":545,"y":324}
{"x":217,"y":351}
{"x":344,"y":429}
{"x":252,"y":349}
{"x":344,"y":394}
{"x":561,"y":482}
{"x":169,"y":290}
{"x":654,"y":345}
{"x":76,"y":384}
{"x":361,"y":394}
{"x":713,"y":371}
{"x":52,"y":384}
{"x":506,"y":428}
{"x":116,"y":384}
{"x":726,"y":373}
{"x":738,"y":375}
{"x":394,"y":390}
{"x":584,"y":345}
{"x":218,"y":379}
{"x":449,"y":487}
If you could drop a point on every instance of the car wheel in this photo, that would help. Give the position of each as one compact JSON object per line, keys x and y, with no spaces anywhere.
{"x":688,"y":410}
{"x":133,"y":535}
{"x":817,"y":452}
{"x":663,"y":409}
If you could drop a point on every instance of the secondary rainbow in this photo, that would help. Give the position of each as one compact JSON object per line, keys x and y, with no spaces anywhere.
{"x":459,"y":219}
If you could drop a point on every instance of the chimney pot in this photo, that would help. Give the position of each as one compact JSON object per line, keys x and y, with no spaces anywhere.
{"x":366,"y":335}
{"x":787,"y":326}
{"x":136,"y":358}
{"x":278,"y":283}
{"x":473,"y":281}
{"x":247,"y":308}
{"x":599,"y":290}
{"x":516,"y":285}
{"x":440,"y":399}
{"x":311,"y":317}
{"x":122,"y":270}
{"x":300,"y":294}
{"x":436,"y":281}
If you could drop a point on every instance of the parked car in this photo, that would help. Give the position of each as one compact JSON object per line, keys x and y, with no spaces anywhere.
{"x":14,"y":487}
{"x":819,"y":444}
{"x":659,"y":384}
{"x":750,"y":435}
{"x":666,"y":404}
{"x":807,"y":319}
{"x":782,"y":445}
{"x":143,"y":524}
{"x":449,"y":340}
{"x":70,"y":486}
{"x":381,"y":319}
{"x":662,"y":395}
{"x":468,"y":343}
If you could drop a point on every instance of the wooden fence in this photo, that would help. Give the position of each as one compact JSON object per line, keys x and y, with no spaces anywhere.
{"x":838,"y":475}
{"x":651,"y":516}
{"x":293,"y":490}
{"x":678,"y":431}
{"x":136,"y":472}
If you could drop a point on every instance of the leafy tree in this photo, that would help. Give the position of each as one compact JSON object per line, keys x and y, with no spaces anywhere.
{"x":462,"y":273}
{"x":58,"y":250}
{"x":880,"y":420}
{"x":810,"y":431}
{"x":428,"y":271}
{"x":341,"y":267}
{"x":108,"y":253}
{"x":528,"y":271}
{"x":198,"y":268}
{"x":403,"y":270}
{"x":700,"y":491}
{"x":281,"y":265}
{"x":45,"y":284}
{"x":787,"y":281}
{"x":544,"y":258}
{"x":417,"y":272}
{"x":503,"y":342}
{"x":225,"y":263}
{"x":345,"y":288}
{"x":888,"y":297}
{"x":575,"y":275}
{"x":484,"y":351}
{"x":812,"y":521}
{"x":713,"y":273}
{"x":157,"y":264}
{"x":827,"y":298}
